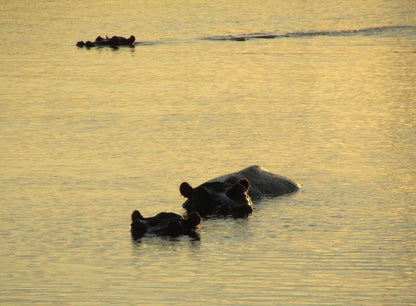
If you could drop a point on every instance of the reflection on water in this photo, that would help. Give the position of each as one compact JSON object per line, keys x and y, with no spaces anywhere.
{"x":90,"y":135}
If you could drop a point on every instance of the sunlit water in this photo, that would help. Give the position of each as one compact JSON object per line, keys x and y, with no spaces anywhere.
{"x":87,"y":136}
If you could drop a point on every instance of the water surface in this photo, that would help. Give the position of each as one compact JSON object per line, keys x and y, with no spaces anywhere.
{"x":87,"y":136}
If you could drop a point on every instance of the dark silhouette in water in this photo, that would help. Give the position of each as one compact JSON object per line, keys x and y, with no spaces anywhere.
{"x":117,"y":41}
{"x":363,"y":31}
{"x":232,"y":194}
{"x":164,"y":224}
{"x":114,"y":41}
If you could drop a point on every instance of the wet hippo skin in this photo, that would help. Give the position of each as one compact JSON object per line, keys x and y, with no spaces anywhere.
{"x":164,"y":224}
{"x":233,"y":194}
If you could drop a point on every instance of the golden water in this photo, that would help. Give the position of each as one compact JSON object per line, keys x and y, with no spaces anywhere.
{"x":87,"y":136}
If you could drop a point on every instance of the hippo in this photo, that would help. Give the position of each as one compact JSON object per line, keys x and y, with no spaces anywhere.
{"x":114,"y":41}
{"x":233,"y":194}
{"x":164,"y":224}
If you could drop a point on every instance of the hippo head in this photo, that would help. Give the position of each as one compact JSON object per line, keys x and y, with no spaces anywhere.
{"x":165,"y":224}
{"x":218,"y":198}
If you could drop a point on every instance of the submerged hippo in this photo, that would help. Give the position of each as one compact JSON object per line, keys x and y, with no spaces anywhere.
{"x":114,"y":41}
{"x":232,"y":194}
{"x":164,"y":224}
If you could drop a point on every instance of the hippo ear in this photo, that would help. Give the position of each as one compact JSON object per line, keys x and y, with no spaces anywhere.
{"x":136,"y":215}
{"x":186,"y":189}
{"x":244,"y":182}
{"x":194,"y":219}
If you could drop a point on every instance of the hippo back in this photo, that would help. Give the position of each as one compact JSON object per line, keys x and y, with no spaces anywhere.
{"x":263,"y":184}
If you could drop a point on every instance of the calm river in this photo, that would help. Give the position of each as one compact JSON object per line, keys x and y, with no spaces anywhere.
{"x":89,"y":135}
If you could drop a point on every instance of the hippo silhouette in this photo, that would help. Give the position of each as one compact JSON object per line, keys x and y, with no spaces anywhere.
{"x":114,"y":41}
{"x":164,"y":224}
{"x":232,"y":194}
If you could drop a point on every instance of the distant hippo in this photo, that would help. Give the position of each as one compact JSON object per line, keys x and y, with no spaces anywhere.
{"x":232,"y":194}
{"x":114,"y":41}
{"x":164,"y":224}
